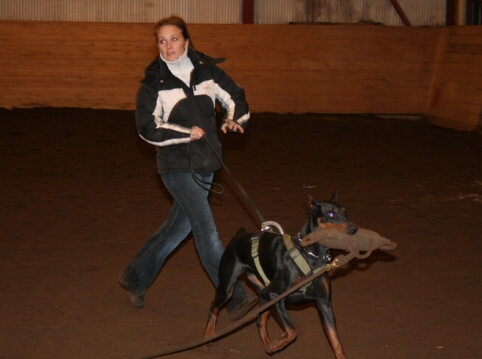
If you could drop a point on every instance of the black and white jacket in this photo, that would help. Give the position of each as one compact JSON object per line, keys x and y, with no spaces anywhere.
{"x":167,"y":108}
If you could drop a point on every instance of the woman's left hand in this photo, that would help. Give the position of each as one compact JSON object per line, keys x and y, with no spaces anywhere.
{"x":232,"y":126}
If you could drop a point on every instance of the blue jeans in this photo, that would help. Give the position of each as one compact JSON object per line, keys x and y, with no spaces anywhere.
{"x":190,"y":212}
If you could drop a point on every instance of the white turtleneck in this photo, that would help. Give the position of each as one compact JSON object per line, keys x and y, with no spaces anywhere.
{"x":181,"y":68}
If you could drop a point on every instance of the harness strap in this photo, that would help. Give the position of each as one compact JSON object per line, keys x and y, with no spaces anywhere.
{"x":294,"y":254}
{"x":300,"y":261}
{"x":255,"y":255}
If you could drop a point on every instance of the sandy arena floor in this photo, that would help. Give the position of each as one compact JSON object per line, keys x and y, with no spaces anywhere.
{"x":80,"y":195}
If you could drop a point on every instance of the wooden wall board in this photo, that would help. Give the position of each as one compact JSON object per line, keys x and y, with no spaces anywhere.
{"x":456,"y":99}
{"x":283,"y":68}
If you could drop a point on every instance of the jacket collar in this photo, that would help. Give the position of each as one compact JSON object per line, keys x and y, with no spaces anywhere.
{"x":158,"y":69}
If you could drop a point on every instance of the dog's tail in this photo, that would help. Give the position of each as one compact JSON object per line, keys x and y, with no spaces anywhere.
{"x":241,"y":230}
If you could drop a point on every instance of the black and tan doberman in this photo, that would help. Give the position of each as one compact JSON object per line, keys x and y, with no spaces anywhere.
{"x":274,"y":263}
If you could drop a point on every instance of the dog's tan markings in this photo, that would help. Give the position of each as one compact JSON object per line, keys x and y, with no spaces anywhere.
{"x":253,"y":279}
{"x":288,"y":336}
{"x":335,"y":343}
{"x":211,"y":326}
{"x":263,"y":329}
{"x":341,"y":226}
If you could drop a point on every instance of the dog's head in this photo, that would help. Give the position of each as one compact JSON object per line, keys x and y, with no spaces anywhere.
{"x":329,"y":214}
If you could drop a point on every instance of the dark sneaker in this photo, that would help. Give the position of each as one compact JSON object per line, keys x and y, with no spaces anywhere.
{"x":242,"y":309}
{"x":137,"y":301}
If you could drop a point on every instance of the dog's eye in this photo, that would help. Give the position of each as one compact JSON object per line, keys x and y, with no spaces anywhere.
{"x":331,"y":215}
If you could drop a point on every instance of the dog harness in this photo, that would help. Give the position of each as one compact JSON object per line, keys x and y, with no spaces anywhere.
{"x":294,"y":254}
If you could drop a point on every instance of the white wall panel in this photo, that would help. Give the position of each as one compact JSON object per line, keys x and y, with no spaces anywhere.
{"x":419,"y":12}
{"x":333,"y":11}
{"x":193,"y":11}
{"x":280,"y":11}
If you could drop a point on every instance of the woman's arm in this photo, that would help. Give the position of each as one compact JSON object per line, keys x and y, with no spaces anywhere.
{"x":157,"y":132}
{"x":232,"y":98}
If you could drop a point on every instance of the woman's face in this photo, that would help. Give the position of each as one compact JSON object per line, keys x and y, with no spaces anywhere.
{"x":170,"y":42}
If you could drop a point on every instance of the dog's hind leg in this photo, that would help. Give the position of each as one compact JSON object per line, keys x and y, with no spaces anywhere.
{"x":229,"y":272}
{"x":211,"y":324}
{"x":222,"y":296}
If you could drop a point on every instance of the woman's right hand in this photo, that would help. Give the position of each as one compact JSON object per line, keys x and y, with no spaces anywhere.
{"x":196,"y":133}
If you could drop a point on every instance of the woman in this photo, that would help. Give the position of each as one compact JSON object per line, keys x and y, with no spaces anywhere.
{"x":176,"y":113}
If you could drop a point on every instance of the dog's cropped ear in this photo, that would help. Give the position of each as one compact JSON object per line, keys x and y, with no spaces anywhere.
{"x":311,"y":199}
{"x":305,"y":189}
{"x":334,"y":197}
{"x":314,"y":206}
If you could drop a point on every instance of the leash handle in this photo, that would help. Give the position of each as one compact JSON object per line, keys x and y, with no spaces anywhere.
{"x":204,"y":185}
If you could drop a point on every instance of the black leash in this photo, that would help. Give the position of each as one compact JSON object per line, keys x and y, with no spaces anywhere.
{"x":240,"y":188}
{"x":208,"y":186}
